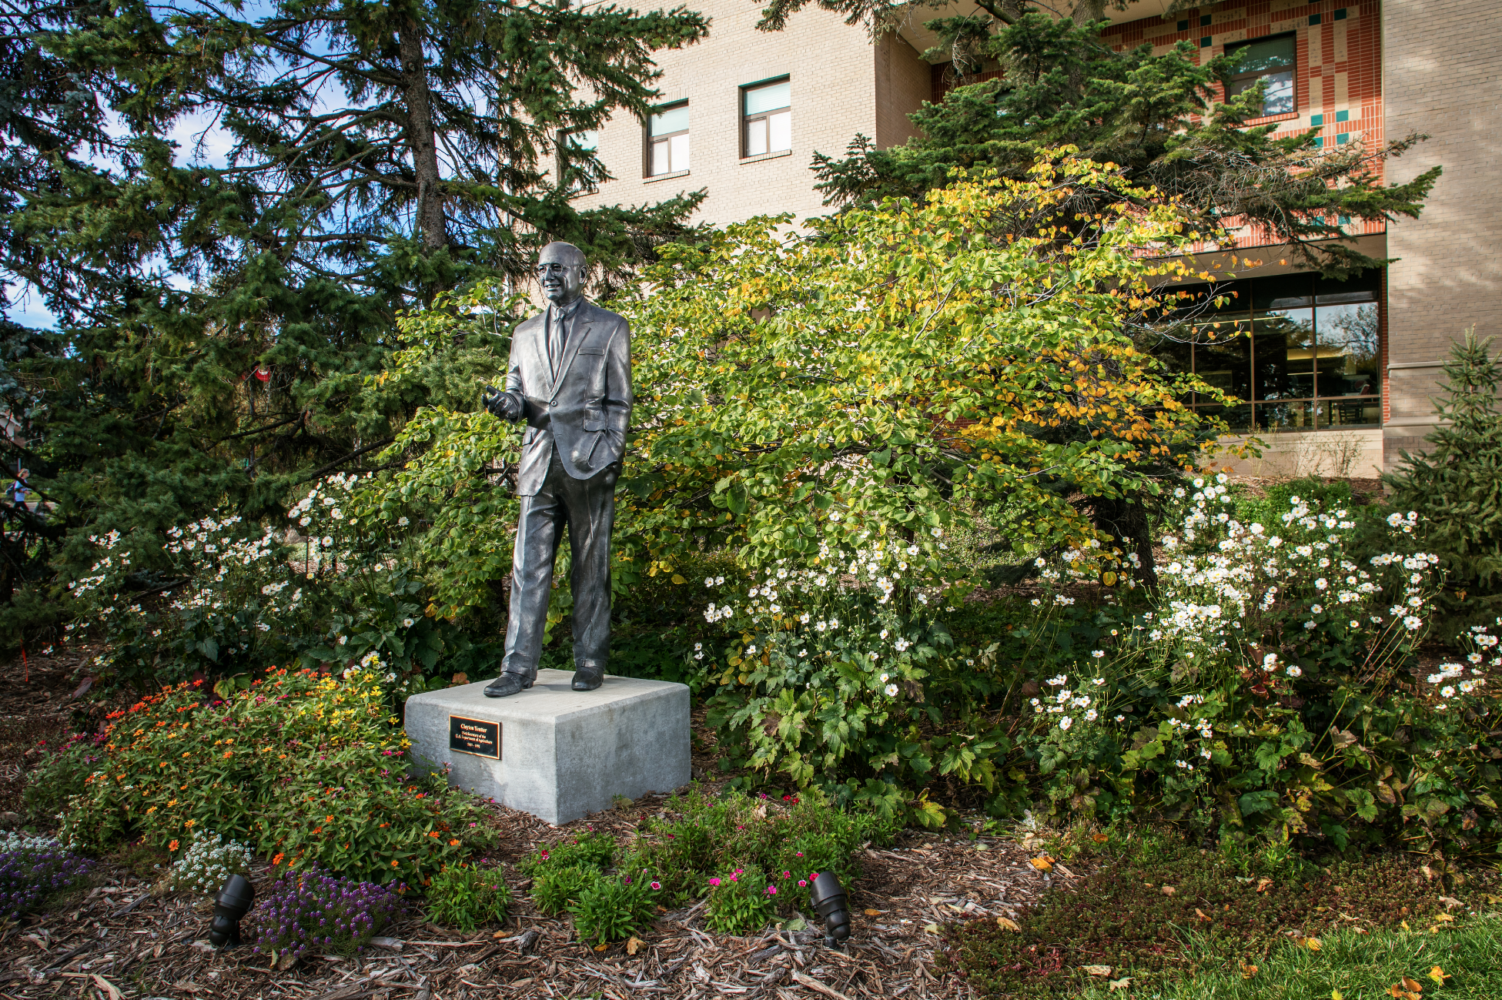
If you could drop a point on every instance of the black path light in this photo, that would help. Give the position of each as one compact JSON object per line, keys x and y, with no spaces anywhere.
{"x":232,"y":903}
{"x":833,"y":907}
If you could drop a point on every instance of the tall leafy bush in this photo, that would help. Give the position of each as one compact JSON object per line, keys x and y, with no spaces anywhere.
{"x":794,"y":394}
{"x":1277,"y":691}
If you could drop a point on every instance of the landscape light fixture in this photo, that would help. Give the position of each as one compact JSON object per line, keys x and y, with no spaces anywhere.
{"x":232,"y":903}
{"x":833,"y":907}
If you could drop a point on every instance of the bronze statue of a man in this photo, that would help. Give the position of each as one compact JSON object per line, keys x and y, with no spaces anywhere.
{"x":569,"y":378}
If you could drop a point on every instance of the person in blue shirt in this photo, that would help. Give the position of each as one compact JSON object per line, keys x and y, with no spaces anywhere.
{"x":19,"y":493}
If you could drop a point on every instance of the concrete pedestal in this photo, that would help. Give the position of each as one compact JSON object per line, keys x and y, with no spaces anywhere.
{"x":552,"y":751}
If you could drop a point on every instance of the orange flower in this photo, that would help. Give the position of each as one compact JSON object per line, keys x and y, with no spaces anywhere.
{"x":432,"y":833}
{"x":396,"y":864}
{"x":189,"y":823}
{"x":278,"y":859}
{"x":453,"y":843}
{"x":228,"y":754}
{"x":172,"y":846}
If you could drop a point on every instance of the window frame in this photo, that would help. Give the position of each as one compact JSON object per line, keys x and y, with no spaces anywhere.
{"x":764,"y":117}
{"x":1253,"y":76}
{"x":566,"y":136}
{"x":651,"y":140}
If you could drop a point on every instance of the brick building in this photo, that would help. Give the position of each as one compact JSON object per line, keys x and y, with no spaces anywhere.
{"x":1337,"y":378}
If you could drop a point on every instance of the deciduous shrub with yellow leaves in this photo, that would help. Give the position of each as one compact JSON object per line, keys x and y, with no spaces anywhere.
{"x":307,"y":767}
{"x":824,"y":410}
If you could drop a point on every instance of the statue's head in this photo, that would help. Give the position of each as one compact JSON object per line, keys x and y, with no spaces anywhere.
{"x":561,"y":271}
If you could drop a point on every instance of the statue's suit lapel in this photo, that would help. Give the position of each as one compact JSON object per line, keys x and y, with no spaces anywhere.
{"x":534,"y":352}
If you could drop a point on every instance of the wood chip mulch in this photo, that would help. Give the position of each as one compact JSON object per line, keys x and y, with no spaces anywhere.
{"x":125,"y":938}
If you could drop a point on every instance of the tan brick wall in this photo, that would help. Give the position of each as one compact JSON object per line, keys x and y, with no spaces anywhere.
{"x":903,"y":83}
{"x":1346,"y":453}
{"x":1443,"y":76}
{"x":836,"y":75}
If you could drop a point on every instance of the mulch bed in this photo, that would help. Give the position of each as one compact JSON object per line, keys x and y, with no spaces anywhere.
{"x":124,"y":938}
{"x":125,"y":935}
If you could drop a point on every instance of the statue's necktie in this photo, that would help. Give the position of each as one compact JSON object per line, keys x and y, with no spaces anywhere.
{"x":555,"y":339}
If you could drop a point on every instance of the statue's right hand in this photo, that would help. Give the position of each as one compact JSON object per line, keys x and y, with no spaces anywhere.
{"x":499,"y":403}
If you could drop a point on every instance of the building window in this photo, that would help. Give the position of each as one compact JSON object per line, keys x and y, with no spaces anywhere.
{"x":1269,"y":60}
{"x":1300,"y":353}
{"x":572,"y":146}
{"x":767,"y":118}
{"x":667,"y":140}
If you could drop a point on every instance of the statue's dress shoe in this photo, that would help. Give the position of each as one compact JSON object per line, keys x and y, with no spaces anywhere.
{"x":588,"y":677}
{"x":507,"y":684}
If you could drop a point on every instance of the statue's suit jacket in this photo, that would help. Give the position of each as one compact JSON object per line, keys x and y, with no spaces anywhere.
{"x":585,"y":412}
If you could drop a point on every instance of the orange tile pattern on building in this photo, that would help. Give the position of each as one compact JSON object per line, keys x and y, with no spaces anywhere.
{"x":1338,"y":69}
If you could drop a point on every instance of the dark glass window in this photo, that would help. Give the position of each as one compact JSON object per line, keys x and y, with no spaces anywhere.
{"x":1298,"y":352}
{"x":1270,"y":60}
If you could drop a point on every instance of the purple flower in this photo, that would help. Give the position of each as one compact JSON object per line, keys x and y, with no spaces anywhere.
{"x":32,"y":874}
{"x":346,"y":913}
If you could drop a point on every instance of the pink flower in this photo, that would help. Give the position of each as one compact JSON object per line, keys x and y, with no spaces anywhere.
{"x":771,"y":890}
{"x":656,"y":885}
{"x":787,"y":874}
{"x":800,"y":854}
{"x":714,"y":881}
{"x":734,"y":879}
{"x":802,"y":883}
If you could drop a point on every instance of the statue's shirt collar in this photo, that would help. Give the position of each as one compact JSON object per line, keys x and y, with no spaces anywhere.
{"x":565,"y":312}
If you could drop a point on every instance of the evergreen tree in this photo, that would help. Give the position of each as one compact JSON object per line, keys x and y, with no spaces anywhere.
{"x":1455,"y":486}
{"x":222,"y":316}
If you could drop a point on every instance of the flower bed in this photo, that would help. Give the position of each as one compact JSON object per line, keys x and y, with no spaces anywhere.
{"x":308,"y":768}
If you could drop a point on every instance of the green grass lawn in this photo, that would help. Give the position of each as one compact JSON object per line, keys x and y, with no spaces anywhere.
{"x":1353,"y":967}
{"x":1178,"y":921}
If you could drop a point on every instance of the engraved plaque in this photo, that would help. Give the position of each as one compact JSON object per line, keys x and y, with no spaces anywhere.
{"x":477,"y":736}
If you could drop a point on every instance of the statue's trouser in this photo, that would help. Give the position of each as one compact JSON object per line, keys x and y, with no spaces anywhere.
{"x":587,"y":506}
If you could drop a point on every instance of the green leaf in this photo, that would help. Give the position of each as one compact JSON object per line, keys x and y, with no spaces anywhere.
{"x":1254,"y":802}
